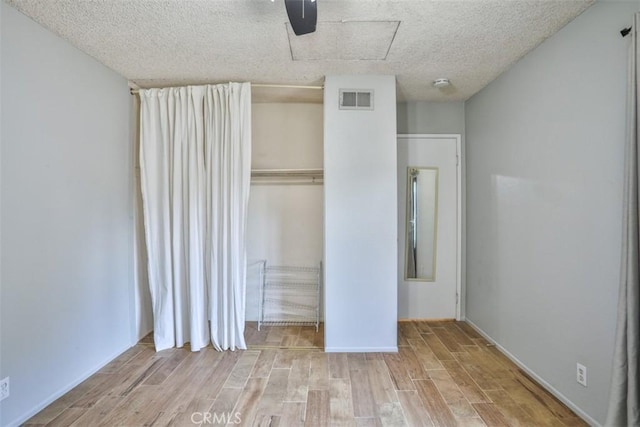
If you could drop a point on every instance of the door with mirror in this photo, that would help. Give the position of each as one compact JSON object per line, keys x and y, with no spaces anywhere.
{"x":428,"y":226}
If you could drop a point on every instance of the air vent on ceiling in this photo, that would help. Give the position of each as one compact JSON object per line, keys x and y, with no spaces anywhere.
{"x":351,"y":99}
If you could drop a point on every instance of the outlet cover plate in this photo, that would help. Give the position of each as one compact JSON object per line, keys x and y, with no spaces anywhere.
{"x":581,"y":374}
{"x":4,"y":388}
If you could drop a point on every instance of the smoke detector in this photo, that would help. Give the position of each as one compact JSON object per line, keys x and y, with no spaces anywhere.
{"x":441,"y":83}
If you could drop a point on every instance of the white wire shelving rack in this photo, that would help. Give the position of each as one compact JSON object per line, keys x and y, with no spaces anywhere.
{"x":289,"y":295}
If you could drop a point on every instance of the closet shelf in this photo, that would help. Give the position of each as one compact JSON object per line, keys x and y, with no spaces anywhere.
{"x":287,"y":176}
{"x":260,"y":173}
{"x":290,"y":269}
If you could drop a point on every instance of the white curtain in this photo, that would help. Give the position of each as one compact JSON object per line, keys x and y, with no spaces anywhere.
{"x":195,"y":159}
{"x":624,"y":400}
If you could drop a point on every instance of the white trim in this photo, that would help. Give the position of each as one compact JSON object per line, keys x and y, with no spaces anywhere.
{"x":459,"y":207}
{"x":361,"y":349}
{"x":586,"y":417}
{"x":23,"y":418}
{"x":458,"y":226}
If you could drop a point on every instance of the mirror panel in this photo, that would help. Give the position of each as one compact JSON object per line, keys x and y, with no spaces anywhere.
{"x":422,"y":222}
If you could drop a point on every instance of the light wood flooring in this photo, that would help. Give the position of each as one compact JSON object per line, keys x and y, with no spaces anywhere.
{"x":444,"y":374}
{"x":292,"y":337}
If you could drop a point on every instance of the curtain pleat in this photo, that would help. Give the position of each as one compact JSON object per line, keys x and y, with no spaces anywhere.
{"x":624,"y":400}
{"x":195,"y":155}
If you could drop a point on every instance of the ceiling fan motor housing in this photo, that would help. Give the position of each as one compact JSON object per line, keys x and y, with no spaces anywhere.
{"x":303,"y":15}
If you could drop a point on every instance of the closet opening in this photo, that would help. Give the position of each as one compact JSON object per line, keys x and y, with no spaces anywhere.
{"x":285,"y":229}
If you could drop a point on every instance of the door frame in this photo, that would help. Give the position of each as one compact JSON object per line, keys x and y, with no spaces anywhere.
{"x":459,"y":163}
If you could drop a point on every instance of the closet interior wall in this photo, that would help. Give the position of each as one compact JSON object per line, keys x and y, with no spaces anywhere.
{"x":285,"y":221}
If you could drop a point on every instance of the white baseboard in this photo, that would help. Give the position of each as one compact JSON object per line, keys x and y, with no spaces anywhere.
{"x":23,"y":418}
{"x":586,"y":417}
{"x":361,"y":349}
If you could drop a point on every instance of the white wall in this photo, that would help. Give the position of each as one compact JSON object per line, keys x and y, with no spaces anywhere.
{"x":66,"y":284}
{"x":285,"y":222}
{"x":544,"y":196}
{"x":286,"y":136}
{"x":360,"y":218}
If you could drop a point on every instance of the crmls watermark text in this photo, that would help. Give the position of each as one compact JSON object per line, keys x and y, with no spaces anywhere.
{"x":204,"y":418}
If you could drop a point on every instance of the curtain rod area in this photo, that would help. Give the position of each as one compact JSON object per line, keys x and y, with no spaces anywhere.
{"x":271,"y":86}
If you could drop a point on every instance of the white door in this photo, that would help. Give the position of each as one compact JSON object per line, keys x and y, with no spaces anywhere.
{"x":428,"y":226}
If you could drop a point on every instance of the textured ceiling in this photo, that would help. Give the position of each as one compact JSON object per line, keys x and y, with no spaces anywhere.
{"x":177,"y":42}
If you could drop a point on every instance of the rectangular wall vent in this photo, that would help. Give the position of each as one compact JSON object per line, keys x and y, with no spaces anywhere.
{"x":351,"y":99}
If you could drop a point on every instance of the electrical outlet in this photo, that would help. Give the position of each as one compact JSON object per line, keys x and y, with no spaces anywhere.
{"x":581,"y":374}
{"x":4,"y":388}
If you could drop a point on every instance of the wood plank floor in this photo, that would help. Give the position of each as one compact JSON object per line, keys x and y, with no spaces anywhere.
{"x":294,"y":337}
{"x":444,"y":374}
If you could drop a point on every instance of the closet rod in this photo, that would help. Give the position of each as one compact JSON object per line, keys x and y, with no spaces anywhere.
{"x":300,"y":173}
{"x":274,"y":86}
{"x":287,"y":86}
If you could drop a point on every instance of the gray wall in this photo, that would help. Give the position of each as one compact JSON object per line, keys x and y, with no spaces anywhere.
{"x":66,"y":250}
{"x":430,"y":117}
{"x":544,"y":192}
